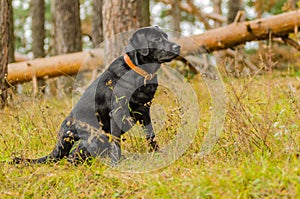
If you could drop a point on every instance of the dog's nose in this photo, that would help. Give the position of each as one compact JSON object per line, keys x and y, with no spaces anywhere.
{"x":176,"y":47}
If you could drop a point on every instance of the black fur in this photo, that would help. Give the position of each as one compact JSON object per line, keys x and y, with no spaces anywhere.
{"x":114,"y":102}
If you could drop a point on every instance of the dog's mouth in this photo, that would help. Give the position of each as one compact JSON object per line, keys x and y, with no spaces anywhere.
{"x":167,"y":56}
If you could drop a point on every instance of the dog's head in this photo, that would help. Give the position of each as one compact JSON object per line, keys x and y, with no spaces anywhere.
{"x":153,"y":44}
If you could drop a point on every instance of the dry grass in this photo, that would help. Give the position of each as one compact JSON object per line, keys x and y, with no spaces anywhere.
{"x":256,"y":156}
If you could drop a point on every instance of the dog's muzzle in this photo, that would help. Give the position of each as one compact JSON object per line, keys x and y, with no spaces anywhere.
{"x":176,"y":48}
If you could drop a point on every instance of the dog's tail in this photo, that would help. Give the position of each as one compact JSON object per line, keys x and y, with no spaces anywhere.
{"x":56,"y":155}
{"x":42,"y":160}
{"x":61,"y":150}
{"x":67,"y":136}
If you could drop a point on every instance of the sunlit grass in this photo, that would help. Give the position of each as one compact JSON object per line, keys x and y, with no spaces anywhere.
{"x":257,"y":155}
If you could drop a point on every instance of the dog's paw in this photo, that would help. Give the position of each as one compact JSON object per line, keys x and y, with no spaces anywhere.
{"x":18,"y":160}
{"x":153,"y":145}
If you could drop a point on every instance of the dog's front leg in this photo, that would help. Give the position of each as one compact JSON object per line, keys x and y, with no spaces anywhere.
{"x":120,"y":122}
{"x":150,"y":135}
{"x":153,"y":146}
{"x":115,"y":151}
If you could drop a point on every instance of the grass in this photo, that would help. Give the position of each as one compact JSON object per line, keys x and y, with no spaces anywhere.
{"x":257,"y":155}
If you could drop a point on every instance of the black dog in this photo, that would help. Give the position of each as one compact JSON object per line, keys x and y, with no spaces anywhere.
{"x":115,"y":101}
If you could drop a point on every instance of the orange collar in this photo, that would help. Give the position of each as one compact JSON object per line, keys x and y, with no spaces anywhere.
{"x":138,"y":70}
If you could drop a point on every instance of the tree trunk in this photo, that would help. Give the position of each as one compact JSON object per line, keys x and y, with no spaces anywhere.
{"x":292,"y":4}
{"x":53,"y":29}
{"x":11,"y":54}
{"x":233,"y":7}
{"x":143,"y":13}
{"x":52,"y":83}
{"x":68,"y":36}
{"x":120,"y":16}
{"x":240,"y":33}
{"x":5,"y":6}
{"x":37,"y":12}
{"x":97,"y":25}
{"x":217,"y":6}
{"x":176,"y":18}
{"x":68,"y":64}
{"x":68,"y":31}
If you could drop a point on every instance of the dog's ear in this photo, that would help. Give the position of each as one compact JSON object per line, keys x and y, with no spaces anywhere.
{"x":139,"y":42}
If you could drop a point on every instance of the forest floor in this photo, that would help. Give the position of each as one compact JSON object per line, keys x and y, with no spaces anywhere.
{"x":257,"y":154}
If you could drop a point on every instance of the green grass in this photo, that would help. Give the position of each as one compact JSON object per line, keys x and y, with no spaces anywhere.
{"x":257,"y":155}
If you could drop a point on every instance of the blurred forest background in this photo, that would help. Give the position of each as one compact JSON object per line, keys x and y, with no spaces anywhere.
{"x":188,"y":17}
{"x":43,"y":28}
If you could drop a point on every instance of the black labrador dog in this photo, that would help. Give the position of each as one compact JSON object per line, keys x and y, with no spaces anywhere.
{"x":115,"y":101}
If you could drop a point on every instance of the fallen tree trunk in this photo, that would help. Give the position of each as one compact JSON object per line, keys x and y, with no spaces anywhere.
{"x":239,"y":33}
{"x":215,"y":39}
{"x":68,"y":64}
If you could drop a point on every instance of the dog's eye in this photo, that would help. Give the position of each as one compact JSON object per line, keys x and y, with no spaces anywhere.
{"x":158,"y":39}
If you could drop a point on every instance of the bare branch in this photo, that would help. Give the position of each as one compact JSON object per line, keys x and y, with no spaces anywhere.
{"x":216,"y":17}
{"x":198,"y":14}
{"x":291,"y":42}
{"x":165,"y":1}
{"x":241,"y":58}
{"x":194,"y":10}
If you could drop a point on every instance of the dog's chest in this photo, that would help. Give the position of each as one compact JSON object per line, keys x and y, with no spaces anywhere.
{"x":144,"y":94}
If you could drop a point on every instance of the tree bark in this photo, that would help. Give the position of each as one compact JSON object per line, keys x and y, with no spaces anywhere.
{"x":52,"y":84}
{"x":37,"y":12}
{"x":5,"y":7}
{"x":120,"y":16}
{"x":143,"y":13}
{"x":176,"y":18}
{"x":11,"y":54}
{"x":68,"y":36}
{"x":53,"y":29}
{"x":97,"y":24}
{"x":217,"y":9}
{"x":68,"y":31}
{"x":217,"y":39}
{"x":60,"y":65}
{"x":217,"y":6}
{"x":233,"y":7}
